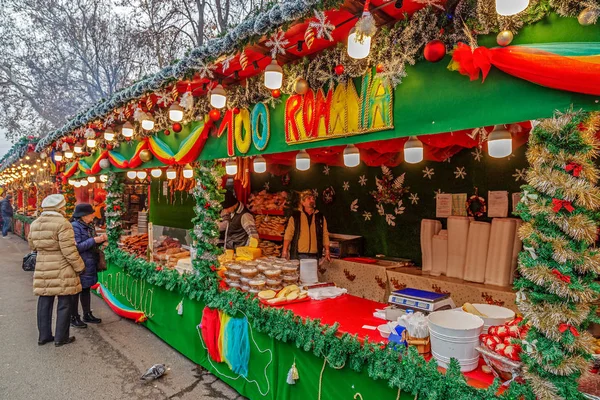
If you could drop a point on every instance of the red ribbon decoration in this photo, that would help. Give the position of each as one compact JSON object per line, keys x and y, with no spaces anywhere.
{"x":574,"y":168}
{"x":561,"y":276}
{"x":560,"y":204}
{"x":562,"y":328}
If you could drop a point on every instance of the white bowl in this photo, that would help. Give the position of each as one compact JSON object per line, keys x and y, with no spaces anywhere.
{"x":496,"y":315}
{"x":384,"y":330}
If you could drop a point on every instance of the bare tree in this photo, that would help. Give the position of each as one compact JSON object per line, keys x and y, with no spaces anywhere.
{"x":59,"y":56}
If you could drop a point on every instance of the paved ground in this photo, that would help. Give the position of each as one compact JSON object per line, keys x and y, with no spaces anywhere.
{"x":105,"y":362}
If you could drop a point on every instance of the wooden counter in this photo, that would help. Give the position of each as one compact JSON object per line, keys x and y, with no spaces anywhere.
{"x":375,"y":282}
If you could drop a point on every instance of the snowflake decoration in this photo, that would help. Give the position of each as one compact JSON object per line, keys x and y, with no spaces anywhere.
{"x":277,"y":44}
{"x":448,"y":159}
{"x":346,"y":186}
{"x":326,"y":170}
{"x":481,"y":134}
{"x":520,"y":174}
{"x":399,"y":209}
{"x":205,"y":70}
{"x":393,"y":72}
{"x":431,"y":3}
{"x":315,"y":193}
{"x":414,"y":198}
{"x":380,"y":209}
{"x":428,"y":172}
{"x":460,"y":173}
{"x":390,"y":219}
{"x":226,"y":62}
{"x":367,"y":216}
{"x":162,"y":98}
{"x":363,"y":180}
{"x":477,"y":154}
{"x":435,"y":193}
{"x":354,"y":206}
{"x":266,"y":186}
{"x":322,"y":26}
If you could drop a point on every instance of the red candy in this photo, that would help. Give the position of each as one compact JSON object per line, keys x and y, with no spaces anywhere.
{"x":514,"y":331}
{"x":515,"y":321}
{"x":500,"y":348}
{"x":512,"y":352}
{"x":507,"y":340}
{"x":492,"y":330}
{"x":502,"y":331}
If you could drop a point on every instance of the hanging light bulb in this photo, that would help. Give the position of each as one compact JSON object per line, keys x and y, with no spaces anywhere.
{"x":188,"y":171}
{"x":142,"y":175}
{"x":91,"y":143}
{"x":148,"y":122}
{"x":84,"y":182}
{"x":58,"y":156}
{"x":68,"y":153}
{"x":231,"y":167}
{"x":27,"y":158}
{"x":273,"y":75}
{"x":76,"y":184}
{"x":127,"y":129}
{"x":302,"y":160}
{"x":156,"y":173}
{"x":499,"y":142}
{"x":175,"y":112}
{"x":103,"y":178}
{"x":358,"y":49}
{"x":131,"y":174}
{"x":109,"y":134}
{"x":171,"y":173}
{"x":78,"y":148}
{"x":91,"y":179}
{"x":511,"y":7}
{"x":351,"y":156}
{"x":260,"y":165}
{"x":218,"y":97}
{"x":45,"y":164}
{"x":413,"y":150}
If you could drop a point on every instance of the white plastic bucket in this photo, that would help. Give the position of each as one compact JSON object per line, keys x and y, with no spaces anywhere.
{"x":455,"y":335}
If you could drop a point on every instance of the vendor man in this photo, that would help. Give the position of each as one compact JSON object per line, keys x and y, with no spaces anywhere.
{"x":306,"y":235}
{"x":238,"y":223}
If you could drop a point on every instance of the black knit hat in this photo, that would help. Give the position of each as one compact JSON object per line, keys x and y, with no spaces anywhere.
{"x":83,"y":209}
{"x":230,"y":199}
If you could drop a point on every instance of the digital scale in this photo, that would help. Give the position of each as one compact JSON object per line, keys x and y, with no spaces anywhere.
{"x":417,"y":300}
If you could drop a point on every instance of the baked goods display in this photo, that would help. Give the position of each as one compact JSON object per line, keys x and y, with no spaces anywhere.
{"x":267,"y":273}
{"x":288,"y":294}
{"x":136,"y":244}
{"x":270,"y":225}
{"x":168,"y":251}
{"x":265,"y":201}
{"x":270,"y":248}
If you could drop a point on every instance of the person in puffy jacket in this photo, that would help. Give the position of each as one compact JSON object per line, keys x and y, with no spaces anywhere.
{"x":57,"y":269}
{"x":6,"y":209}
{"x":87,"y":245}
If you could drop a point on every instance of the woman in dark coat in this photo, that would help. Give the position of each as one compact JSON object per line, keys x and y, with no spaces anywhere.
{"x":88,"y":247}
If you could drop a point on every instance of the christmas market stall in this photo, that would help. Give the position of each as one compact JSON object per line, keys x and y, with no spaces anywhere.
{"x":457,"y":208}
{"x":28,"y":177}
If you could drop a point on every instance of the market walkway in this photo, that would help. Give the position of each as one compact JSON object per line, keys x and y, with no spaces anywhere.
{"x":105,"y":362}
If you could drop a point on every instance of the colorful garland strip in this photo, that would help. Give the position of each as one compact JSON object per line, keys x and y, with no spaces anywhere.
{"x":71,"y":169}
{"x":119,"y":308}
{"x":573,"y":67}
{"x":120,"y":161}
{"x":189,"y":149}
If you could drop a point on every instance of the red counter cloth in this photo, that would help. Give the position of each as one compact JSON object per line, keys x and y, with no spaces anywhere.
{"x":353,"y":312}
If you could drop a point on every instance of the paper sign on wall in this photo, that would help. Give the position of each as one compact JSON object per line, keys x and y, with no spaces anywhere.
{"x":459,"y":204}
{"x":443,"y":205}
{"x":498,"y":204}
{"x":516,"y":198}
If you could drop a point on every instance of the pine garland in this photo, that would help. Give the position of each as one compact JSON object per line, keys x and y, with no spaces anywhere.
{"x":115,"y":208}
{"x":560,"y":208}
{"x":69,"y":192}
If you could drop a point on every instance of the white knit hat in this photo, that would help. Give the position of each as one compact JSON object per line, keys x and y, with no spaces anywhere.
{"x":54,"y":201}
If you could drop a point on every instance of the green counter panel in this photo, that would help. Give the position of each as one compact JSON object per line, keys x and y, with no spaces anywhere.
{"x":270,"y":360}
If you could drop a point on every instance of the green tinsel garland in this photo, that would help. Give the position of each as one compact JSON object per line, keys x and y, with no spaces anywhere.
{"x":403,"y":369}
{"x":69,"y":192}
{"x":115,"y":208}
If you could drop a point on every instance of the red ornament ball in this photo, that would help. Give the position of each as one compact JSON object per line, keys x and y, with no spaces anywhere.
{"x":379,"y":68}
{"x":109,"y":147}
{"x":177,"y":127}
{"x":339,"y":69}
{"x":236,"y":110}
{"x":434,"y":51}
{"x":276,"y":93}
{"x":214,"y":114}
{"x":127,"y":139}
{"x":167,"y":132}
